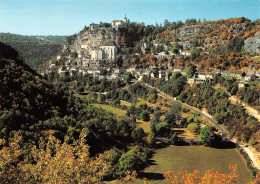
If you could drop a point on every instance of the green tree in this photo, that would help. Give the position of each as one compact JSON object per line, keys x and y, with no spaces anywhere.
{"x":145,"y":115}
{"x":190,"y":71}
{"x":129,"y":161}
{"x":236,"y":44}
{"x":174,"y":138}
{"x":156,"y":117}
{"x":193,"y":127}
{"x":208,"y":135}
{"x":101,"y":98}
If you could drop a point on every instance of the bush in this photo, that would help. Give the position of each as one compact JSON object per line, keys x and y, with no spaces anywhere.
{"x":252,"y":141}
{"x":174,"y":138}
{"x":162,"y":129}
{"x":145,"y":115}
{"x":129,"y":161}
{"x":114,"y":156}
{"x":193,"y":127}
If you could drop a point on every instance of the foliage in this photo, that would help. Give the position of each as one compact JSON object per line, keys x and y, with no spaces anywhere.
{"x":250,"y":93}
{"x":33,"y":49}
{"x":190,"y":71}
{"x":211,"y":176}
{"x":235,"y":44}
{"x":54,"y":162}
{"x":193,"y":127}
{"x":216,"y":102}
{"x":145,"y":115}
{"x":130,"y":161}
{"x":101,"y":98}
{"x":208,"y":135}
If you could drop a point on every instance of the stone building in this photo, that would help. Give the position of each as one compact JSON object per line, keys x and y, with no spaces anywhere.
{"x":109,"y":49}
{"x":97,"y":54}
{"x":116,"y":24}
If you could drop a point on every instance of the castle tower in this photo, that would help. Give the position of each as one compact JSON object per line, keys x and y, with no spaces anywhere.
{"x":125,"y":19}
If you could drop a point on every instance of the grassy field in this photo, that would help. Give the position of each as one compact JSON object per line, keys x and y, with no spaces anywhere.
{"x":194,"y":157}
{"x":118,"y":112}
{"x":144,"y":124}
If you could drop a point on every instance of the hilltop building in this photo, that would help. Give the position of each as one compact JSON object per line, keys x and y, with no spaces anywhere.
{"x":117,"y":24}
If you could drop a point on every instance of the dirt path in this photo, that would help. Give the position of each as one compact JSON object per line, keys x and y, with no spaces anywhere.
{"x":251,"y":155}
{"x":251,"y":111}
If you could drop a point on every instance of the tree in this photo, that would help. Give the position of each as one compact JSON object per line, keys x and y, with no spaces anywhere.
{"x":156,"y":117}
{"x":171,"y":117}
{"x":145,"y":115}
{"x":150,"y":139}
{"x":129,"y":161}
{"x":174,"y":138}
{"x":193,"y":127}
{"x":210,"y":176}
{"x":53,"y":162}
{"x":208,"y":135}
{"x":101,"y":98}
{"x":162,"y":129}
{"x":236,"y":44}
{"x":138,"y":134}
{"x":191,"y":71}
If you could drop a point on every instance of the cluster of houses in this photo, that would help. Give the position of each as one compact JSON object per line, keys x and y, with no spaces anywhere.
{"x":97,"y":52}
{"x":96,"y":69}
{"x":96,"y":46}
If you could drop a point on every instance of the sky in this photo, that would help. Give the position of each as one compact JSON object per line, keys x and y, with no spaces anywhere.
{"x":67,"y":17}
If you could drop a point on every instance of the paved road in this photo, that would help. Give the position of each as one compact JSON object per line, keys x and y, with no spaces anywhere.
{"x":223,"y":131}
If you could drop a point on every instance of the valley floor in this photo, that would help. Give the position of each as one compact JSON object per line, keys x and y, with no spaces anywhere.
{"x":193,"y":157}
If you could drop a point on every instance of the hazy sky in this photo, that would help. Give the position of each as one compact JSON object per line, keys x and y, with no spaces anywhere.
{"x":65,"y":17}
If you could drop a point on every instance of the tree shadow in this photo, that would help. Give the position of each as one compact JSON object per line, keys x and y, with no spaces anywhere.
{"x":150,"y":176}
{"x":161,"y":145}
{"x":225,"y":144}
{"x":152,"y":162}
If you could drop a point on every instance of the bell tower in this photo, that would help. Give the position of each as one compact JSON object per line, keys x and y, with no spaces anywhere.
{"x":125,"y":19}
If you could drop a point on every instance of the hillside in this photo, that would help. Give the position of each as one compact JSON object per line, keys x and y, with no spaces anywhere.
{"x":34,"y":50}
{"x":223,"y":44}
{"x":25,"y":97}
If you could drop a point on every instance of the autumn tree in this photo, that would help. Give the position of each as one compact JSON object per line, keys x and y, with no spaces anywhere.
{"x":210,"y":176}
{"x":53,"y":162}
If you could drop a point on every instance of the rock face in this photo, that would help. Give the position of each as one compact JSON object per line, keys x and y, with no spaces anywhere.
{"x":252,"y":44}
{"x":88,"y":40}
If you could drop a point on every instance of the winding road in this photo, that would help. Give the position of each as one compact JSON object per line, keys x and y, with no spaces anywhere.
{"x":223,"y":131}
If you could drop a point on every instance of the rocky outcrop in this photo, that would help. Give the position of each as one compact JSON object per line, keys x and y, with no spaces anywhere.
{"x":252,"y":44}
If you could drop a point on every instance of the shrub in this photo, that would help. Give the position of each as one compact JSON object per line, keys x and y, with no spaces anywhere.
{"x":145,"y":115}
{"x":252,"y":141}
{"x":193,"y":127}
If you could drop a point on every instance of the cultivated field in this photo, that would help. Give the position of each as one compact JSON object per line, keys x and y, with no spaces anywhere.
{"x":194,"y":157}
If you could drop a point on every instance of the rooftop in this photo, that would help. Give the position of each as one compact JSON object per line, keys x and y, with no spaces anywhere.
{"x":109,"y":43}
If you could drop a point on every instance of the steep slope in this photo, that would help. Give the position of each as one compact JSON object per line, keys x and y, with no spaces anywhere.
{"x":34,"y":49}
{"x":25,"y":97}
{"x":30,"y":106}
{"x":222,"y":44}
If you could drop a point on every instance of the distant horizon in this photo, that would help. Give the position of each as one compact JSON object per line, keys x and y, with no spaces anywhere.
{"x":67,"y":17}
{"x":108,"y":22}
